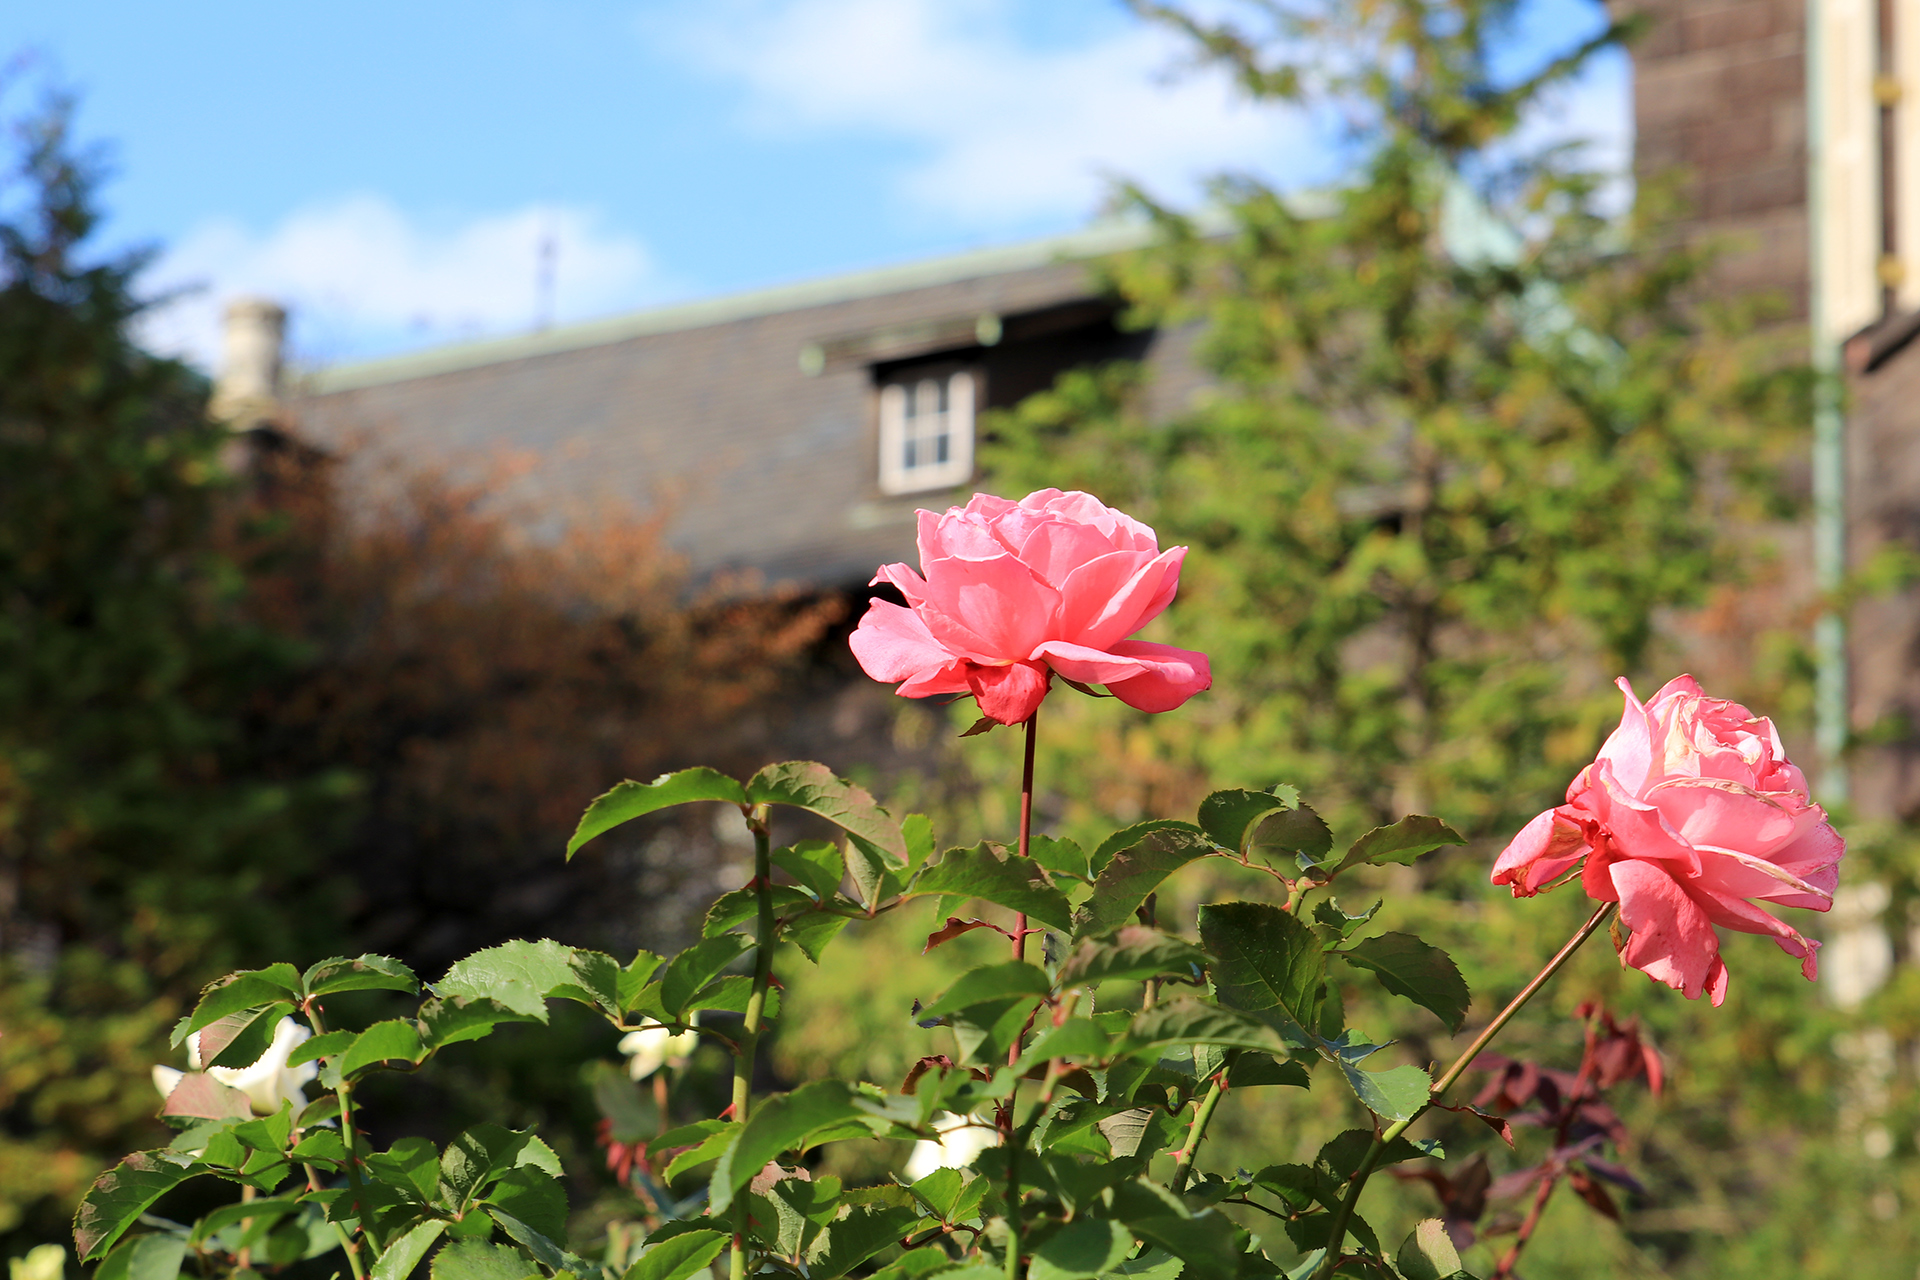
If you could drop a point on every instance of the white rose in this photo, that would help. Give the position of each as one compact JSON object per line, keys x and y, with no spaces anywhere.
{"x":267,"y":1083}
{"x":654,"y":1046}
{"x":961,"y":1140}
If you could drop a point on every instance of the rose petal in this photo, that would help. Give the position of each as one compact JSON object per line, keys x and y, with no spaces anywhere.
{"x":892,"y":643}
{"x":1546,"y":847}
{"x":1097,"y":611}
{"x":1629,"y":748}
{"x":1736,"y":913}
{"x":1721,"y":812}
{"x":1009,"y":694}
{"x":993,"y":610}
{"x":1673,"y":940}
{"x":1172,"y":676}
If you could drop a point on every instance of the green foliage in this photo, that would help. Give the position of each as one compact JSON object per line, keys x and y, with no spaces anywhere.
{"x":144,"y":846}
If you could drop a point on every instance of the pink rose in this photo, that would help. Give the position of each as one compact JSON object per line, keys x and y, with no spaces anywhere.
{"x":1017,"y":592}
{"x":1690,"y":814}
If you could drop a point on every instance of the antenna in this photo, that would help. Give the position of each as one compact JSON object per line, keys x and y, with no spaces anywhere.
{"x":548,"y":261}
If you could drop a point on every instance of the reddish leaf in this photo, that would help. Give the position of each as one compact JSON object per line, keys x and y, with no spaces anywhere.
{"x":955,"y":926}
{"x":1593,"y":1193}
{"x":1498,"y":1124}
{"x":201,"y":1096}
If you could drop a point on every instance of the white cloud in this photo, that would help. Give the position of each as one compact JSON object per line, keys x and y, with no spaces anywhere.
{"x":360,"y":277}
{"x":1004,"y":132}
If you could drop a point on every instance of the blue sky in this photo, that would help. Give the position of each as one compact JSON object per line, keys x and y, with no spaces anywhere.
{"x":391,"y":169}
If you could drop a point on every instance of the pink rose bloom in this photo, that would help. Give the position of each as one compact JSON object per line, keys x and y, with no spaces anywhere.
{"x":1690,"y":816}
{"x":1017,"y":592}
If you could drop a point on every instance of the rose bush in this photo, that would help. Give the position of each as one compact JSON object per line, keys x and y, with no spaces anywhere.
{"x":1690,"y":815}
{"x":1017,"y":592}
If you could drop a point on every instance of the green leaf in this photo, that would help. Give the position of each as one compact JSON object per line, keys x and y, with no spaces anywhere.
{"x":1298,"y":831}
{"x":698,"y":965}
{"x":990,"y":982}
{"x":240,"y":1039}
{"x":1229,"y":818}
{"x":742,"y":905}
{"x":1328,"y":914}
{"x":596,"y":981}
{"x":1060,"y":857}
{"x":1266,"y":962}
{"x":847,"y":1242}
{"x":804,"y":784}
{"x":225,"y":1216}
{"x":785,"y":1122}
{"x":1402,"y":842}
{"x":1423,"y":974}
{"x":480,"y":1260}
{"x":482,"y":1154}
{"x":148,"y":1257}
{"x":1132,"y":953}
{"x":120,"y":1195}
{"x":679,"y":1258}
{"x":535,"y":1197}
{"x":395,"y":1040}
{"x":711,"y":1145}
{"x":940,"y":1192}
{"x":368,"y":973}
{"x":1186,"y":1021}
{"x":988,"y":872}
{"x":729,"y":993}
{"x":813,"y":931}
{"x":634,"y":978}
{"x":545,"y":1251}
{"x":1428,"y":1253}
{"x":1250,"y":1070}
{"x":632,"y":800}
{"x":1394,"y":1094}
{"x":1081,"y":1250}
{"x":1130,"y":874}
{"x":410,"y":1165}
{"x":1074,"y":1038}
{"x":1127,"y":837}
{"x":403,"y":1255}
{"x":452,"y":1019}
{"x":520,"y":975}
{"x":917,"y":830}
{"x":326,"y":1045}
{"x":1341,"y":1156}
{"x":237,"y":992}
{"x":815,"y":864}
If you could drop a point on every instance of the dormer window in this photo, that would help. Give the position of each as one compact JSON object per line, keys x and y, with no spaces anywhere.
{"x":926,"y":430}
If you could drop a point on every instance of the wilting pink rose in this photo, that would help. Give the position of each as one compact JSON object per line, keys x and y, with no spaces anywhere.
{"x":1016,"y":592}
{"x":1691,"y":815}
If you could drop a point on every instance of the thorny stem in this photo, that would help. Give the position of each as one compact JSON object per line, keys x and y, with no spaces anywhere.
{"x":1013,"y":1052}
{"x":1338,"y":1234}
{"x":1183,"y":1158}
{"x":756,"y":1010}
{"x":311,"y":1008}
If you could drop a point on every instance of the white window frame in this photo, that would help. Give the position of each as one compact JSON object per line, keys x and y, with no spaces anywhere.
{"x":904,"y":424}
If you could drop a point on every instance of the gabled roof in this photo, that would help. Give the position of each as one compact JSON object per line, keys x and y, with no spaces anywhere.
{"x":1109,"y":237}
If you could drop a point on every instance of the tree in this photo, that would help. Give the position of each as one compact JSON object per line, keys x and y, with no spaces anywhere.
{"x":1450,"y":475}
{"x":131,"y":817}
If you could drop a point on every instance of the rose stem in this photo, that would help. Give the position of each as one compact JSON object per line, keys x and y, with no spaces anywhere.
{"x":756,"y":1008}
{"x":1013,"y":1052}
{"x":1338,"y":1234}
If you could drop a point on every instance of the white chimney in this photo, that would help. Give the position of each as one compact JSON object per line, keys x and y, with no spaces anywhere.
{"x":248,"y":388}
